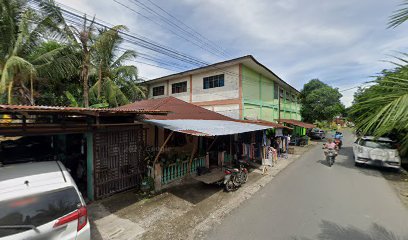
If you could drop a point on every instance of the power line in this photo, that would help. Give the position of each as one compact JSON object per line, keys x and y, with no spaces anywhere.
{"x":347,"y":89}
{"x":137,"y":39}
{"x":182,"y":23}
{"x":171,"y":23}
{"x":146,"y":43}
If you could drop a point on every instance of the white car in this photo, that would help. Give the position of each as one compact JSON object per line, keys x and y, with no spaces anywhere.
{"x":40,"y":200}
{"x":376,"y":151}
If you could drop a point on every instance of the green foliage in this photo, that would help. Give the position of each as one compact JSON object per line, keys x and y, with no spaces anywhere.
{"x":320,"y":102}
{"x":383,"y":108}
{"x":45,"y":60}
{"x":116,"y":83}
{"x":399,"y":16}
{"x":24,"y":60}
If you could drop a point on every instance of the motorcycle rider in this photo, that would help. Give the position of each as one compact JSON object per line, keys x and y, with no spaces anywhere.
{"x":330,"y":145}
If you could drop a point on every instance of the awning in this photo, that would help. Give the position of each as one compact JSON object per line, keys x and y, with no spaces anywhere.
{"x":298,"y":123}
{"x":207,"y":127}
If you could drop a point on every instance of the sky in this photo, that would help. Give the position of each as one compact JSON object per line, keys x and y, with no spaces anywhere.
{"x":342,"y":43}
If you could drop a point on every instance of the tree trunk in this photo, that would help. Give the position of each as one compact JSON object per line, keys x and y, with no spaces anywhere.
{"x":10,"y":93}
{"x":99,"y":80}
{"x":31,"y":89}
{"x":84,"y":78}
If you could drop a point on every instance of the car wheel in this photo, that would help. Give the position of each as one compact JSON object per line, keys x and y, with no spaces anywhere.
{"x":357,"y":164}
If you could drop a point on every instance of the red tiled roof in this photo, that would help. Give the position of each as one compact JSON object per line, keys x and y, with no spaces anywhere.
{"x":298,"y":123}
{"x":74,"y":110}
{"x":178,"y":109}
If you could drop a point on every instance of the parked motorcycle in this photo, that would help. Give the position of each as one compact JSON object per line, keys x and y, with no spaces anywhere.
{"x":235,"y":177}
{"x":230,"y":179}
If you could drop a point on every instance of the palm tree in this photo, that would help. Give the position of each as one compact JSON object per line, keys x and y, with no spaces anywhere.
{"x":22,"y":32}
{"x":116,"y":82}
{"x":85,"y":41}
{"x":383,"y":107}
{"x":399,"y":16}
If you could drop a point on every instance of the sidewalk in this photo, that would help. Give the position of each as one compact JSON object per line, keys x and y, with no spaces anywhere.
{"x":182,"y":212}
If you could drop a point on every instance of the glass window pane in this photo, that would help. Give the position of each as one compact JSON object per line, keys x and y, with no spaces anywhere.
{"x":216,"y":83}
{"x":37,"y":209}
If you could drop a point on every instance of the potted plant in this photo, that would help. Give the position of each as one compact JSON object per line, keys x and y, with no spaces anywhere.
{"x":147,"y":184}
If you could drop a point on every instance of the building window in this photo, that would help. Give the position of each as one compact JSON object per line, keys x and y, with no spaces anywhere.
{"x":281,"y":95}
{"x":213,"y":81}
{"x":179,"y":87}
{"x":294,"y":98}
{"x":158,"y":91}
{"x":275,"y":91}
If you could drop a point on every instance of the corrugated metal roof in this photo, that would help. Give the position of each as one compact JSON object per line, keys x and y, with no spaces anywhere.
{"x":298,"y":123}
{"x":73,"y":110}
{"x":178,"y":109}
{"x":266,"y":123}
{"x":207,"y":127}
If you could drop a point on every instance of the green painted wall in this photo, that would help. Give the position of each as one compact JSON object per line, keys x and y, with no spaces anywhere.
{"x":251,"y":110}
{"x":250,"y":84}
{"x":258,"y":91}
{"x":267,"y":90}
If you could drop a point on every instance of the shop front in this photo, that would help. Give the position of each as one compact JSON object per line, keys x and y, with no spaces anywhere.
{"x":188,"y":146}
{"x":300,"y":129}
{"x":103,"y":149}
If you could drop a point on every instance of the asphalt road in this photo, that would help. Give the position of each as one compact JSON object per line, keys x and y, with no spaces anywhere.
{"x":309,"y":200}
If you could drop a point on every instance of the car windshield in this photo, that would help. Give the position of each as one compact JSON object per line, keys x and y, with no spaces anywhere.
{"x":35,"y":210}
{"x":378,"y":144}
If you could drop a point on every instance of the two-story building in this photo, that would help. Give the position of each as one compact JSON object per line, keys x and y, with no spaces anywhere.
{"x":240,"y":88}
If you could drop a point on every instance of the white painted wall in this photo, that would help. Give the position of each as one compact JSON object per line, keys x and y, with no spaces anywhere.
{"x":231,"y":110}
{"x":185,"y":96}
{"x":230,"y":90}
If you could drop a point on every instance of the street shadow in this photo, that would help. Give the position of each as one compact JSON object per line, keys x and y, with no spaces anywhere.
{"x":346,"y":151}
{"x":333,"y":231}
{"x":323,"y":162}
{"x":195,"y":192}
{"x":122,"y":200}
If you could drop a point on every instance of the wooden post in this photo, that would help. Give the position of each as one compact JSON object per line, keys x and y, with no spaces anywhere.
{"x":157,"y":167}
{"x":209,"y":148}
{"x":161,"y":148}
{"x":192,"y":155}
{"x":157,"y":177}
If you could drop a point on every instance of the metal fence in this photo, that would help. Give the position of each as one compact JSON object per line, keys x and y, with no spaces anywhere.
{"x":176,"y":171}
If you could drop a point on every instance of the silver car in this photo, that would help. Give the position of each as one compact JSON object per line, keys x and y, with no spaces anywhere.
{"x":376,"y":151}
{"x":40,"y":200}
